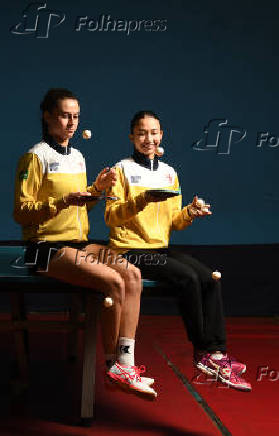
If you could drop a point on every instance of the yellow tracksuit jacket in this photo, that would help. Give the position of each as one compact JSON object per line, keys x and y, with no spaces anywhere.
{"x":43,"y":176}
{"x":133,"y":222}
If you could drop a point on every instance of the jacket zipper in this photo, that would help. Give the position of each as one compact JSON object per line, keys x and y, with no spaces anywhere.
{"x":158,"y":209}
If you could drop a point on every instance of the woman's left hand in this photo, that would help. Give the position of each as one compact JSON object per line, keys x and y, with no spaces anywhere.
{"x":105,"y":179}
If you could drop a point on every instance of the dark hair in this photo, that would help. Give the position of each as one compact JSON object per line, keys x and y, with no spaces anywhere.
{"x":50,"y":102}
{"x":139,"y":115}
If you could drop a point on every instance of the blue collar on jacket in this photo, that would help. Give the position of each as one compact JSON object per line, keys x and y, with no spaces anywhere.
{"x":57,"y":147}
{"x":144,"y":161}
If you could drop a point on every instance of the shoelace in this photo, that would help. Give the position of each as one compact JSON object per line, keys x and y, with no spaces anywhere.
{"x":226,"y":360}
{"x":127,"y":371}
{"x":138,"y":370}
{"x":232,"y":359}
{"x":233,"y":376}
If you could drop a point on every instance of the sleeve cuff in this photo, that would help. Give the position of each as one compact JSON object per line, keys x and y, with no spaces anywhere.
{"x":186,"y":215}
{"x":140,"y":202}
{"x":56,"y":205}
{"x":93,"y":191}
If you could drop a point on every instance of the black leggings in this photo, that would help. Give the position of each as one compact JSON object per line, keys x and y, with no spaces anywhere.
{"x":200,"y":299}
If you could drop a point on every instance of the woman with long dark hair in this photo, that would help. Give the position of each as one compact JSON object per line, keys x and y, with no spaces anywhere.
{"x":51,"y":198}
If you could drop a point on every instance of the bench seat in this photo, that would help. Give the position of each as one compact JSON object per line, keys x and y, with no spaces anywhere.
{"x":16,"y":280}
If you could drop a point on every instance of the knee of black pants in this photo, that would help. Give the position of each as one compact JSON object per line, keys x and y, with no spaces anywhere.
{"x":215,"y":286}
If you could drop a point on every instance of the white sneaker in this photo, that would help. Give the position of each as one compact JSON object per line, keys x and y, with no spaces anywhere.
{"x":148,"y":381}
{"x":128,"y":378}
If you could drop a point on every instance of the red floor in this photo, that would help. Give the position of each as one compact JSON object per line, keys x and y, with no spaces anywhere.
{"x":51,"y":404}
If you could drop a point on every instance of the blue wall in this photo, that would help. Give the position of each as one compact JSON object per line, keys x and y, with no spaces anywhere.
{"x":212,"y":61}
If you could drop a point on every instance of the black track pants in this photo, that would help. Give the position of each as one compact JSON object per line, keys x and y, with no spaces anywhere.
{"x":200,"y":298}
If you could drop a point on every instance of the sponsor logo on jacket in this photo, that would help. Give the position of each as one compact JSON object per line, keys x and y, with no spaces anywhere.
{"x":135,"y":179}
{"x":53,"y":167}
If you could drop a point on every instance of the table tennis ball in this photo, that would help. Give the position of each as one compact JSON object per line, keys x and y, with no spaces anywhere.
{"x":216,"y":275}
{"x":200,"y":202}
{"x":86,"y":134}
{"x":160,"y":151}
{"x":108,"y":302}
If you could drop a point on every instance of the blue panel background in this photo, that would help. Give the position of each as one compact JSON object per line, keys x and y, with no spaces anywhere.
{"x":214,"y":60}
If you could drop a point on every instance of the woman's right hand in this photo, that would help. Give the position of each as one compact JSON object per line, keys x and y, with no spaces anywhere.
{"x":75,"y":198}
{"x":105,"y":179}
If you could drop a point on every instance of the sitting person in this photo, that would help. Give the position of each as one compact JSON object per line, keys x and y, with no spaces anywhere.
{"x":51,"y":196}
{"x":141,"y":223}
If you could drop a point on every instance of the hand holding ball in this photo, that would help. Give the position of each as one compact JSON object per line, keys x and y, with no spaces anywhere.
{"x":86,"y":134}
{"x":200,"y":206}
{"x":200,"y":202}
{"x":108,"y":302}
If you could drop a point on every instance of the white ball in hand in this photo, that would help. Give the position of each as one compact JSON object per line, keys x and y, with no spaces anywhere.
{"x":108,"y":302}
{"x":216,"y":275}
{"x":86,"y":134}
{"x":160,"y":151}
{"x":200,"y":202}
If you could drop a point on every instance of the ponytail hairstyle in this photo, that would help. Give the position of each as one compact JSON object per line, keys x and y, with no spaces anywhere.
{"x":49,"y":103}
{"x":139,"y":115}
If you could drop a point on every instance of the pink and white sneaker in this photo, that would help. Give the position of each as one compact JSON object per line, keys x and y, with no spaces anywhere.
{"x":237,"y":367}
{"x":223,"y":370}
{"x":128,"y":378}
